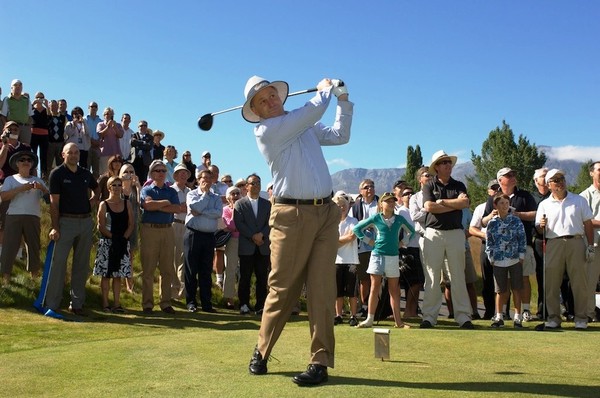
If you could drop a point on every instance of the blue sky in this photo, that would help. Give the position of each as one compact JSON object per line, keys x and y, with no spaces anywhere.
{"x":439,"y":74}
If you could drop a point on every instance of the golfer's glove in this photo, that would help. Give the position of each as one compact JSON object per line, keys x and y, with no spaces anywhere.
{"x":590,"y":254}
{"x":353,"y":268}
{"x":339,"y":88}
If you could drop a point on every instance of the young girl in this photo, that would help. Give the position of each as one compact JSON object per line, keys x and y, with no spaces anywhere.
{"x":505,"y":246}
{"x":345,"y":263}
{"x":384,"y":257}
{"x":115,"y":223}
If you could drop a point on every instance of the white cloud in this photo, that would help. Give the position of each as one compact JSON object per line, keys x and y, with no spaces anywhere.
{"x":339,"y":163}
{"x":571,"y":152}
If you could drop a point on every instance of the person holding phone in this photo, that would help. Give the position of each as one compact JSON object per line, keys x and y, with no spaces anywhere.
{"x":76,"y":131}
{"x":109,"y":132}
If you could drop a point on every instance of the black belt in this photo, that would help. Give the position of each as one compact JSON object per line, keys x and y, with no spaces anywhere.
{"x":85,"y":215}
{"x":312,"y":202}
{"x":568,"y":237}
{"x":200,"y":232}
{"x":156,"y":225}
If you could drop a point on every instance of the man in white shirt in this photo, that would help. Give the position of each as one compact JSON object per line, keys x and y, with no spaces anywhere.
{"x":567,"y":220}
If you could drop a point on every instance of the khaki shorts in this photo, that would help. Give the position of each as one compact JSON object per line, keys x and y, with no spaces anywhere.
{"x":529,"y":262}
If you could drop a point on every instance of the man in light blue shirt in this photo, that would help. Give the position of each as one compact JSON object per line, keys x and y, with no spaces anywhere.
{"x":92,"y":121}
{"x":204,"y":210}
{"x":304,"y":220}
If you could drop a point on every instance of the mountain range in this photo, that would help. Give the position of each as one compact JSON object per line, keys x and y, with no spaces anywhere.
{"x":348,"y":180}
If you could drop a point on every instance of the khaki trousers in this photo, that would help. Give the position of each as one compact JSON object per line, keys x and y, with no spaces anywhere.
{"x":566,"y":255}
{"x":304,"y":241}
{"x":154,"y":250}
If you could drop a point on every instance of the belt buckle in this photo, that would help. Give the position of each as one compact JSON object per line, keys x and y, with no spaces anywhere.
{"x":318,"y":202}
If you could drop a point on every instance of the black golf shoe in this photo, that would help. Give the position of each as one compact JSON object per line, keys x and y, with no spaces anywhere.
{"x":314,"y":375}
{"x":258,"y":365}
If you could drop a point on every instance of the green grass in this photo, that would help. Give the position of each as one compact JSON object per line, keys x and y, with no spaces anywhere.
{"x":201,"y":355}
{"x":207,"y":355}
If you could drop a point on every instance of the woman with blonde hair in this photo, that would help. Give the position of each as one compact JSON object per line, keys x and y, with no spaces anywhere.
{"x":115,"y":223}
{"x":131,"y":193}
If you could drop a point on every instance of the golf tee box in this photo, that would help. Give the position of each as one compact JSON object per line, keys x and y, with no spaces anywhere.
{"x":382,"y":343}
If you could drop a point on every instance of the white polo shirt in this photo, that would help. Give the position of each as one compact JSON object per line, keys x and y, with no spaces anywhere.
{"x":565,"y":217}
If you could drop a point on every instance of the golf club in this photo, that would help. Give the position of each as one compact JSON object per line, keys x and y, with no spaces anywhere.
{"x":544,"y":269}
{"x":206,"y":121}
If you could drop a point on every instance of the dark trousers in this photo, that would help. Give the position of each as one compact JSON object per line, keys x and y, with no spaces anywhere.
{"x":141,"y":171}
{"x":83,"y":159}
{"x":538,"y":253}
{"x":41,"y":142}
{"x":259,"y":264}
{"x":198,"y":253}
{"x":487,"y":290}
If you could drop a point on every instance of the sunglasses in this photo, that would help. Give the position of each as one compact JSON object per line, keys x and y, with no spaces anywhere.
{"x":254,"y":183}
{"x":143,"y":125}
{"x":557,"y":180}
{"x":116,"y":185}
{"x":160,"y":171}
{"x":447,"y":161}
{"x":25,"y":160}
{"x":227,"y":181}
{"x":407,"y":193}
{"x":368,"y":187}
{"x":93,"y":106}
{"x":426,"y":175}
{"x":129,"y":172}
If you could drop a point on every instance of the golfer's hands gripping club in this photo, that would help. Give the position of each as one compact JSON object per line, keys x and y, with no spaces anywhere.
{"x":340,"y":90}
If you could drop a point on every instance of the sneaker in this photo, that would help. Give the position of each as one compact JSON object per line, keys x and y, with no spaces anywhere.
{"x":550,"y":325}
{"x":362,"y":313}
{"x":337,"y":320}
{"x":497,"y":323}
{"x":426,"y":325}
{"x":244,"y":310}
{"x":191,"y":307}
{"x":527,"y":316}
{"x":353,"y":321}
{"x":581,"y":325}
{"x":518,"y":324}
{"x":220,"y":285}
{"x":365,"y":324}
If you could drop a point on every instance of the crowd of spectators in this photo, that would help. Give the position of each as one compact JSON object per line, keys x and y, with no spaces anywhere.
{"x":192,"y":224}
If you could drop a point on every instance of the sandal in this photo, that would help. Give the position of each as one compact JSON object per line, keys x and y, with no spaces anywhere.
{"x":118,"y":310}
{"x":106,"y":309}
{"x":402,"y":326}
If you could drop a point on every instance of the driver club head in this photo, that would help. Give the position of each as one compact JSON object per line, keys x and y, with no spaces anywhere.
{"x":205,"y":122}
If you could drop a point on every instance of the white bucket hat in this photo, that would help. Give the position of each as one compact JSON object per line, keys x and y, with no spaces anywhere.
{"x":253,"y":86}
{"x":439,"y":155}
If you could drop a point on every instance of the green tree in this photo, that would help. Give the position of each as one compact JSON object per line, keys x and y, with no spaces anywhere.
{"x":500,"y":150}
{"x":414,"y":160}
{"x":584,"y":179}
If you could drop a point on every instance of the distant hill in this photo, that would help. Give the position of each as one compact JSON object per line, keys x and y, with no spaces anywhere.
{"x":349,"y":179}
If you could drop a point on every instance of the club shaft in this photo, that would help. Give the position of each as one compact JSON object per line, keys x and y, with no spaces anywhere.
{"x":310,"y":90}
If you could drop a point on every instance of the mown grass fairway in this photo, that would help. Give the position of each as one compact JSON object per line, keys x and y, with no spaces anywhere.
{"x":207,"y":355}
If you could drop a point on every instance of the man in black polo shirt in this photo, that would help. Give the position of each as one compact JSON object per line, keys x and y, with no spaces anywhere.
{"x":72,"y":227}
{"x":443,"y":199}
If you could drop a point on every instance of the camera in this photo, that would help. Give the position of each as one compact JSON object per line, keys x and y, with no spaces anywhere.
{"x":405,"y":262}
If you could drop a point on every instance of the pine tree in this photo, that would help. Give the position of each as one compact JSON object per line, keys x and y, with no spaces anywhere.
{"x":500,"y":150}
{"x":414,"y":160}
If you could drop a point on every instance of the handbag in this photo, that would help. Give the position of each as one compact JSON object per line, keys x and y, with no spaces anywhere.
{"x":222,"y":236}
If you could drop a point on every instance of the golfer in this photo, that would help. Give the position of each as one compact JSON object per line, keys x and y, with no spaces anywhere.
{"x":304,"y":220}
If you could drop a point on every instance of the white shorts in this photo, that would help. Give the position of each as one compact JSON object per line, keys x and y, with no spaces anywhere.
{"x":529,"y":262}
{"x":384,"y":265}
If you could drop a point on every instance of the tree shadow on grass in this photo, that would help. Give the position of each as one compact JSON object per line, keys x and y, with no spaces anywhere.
{"x":563,"y":390}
